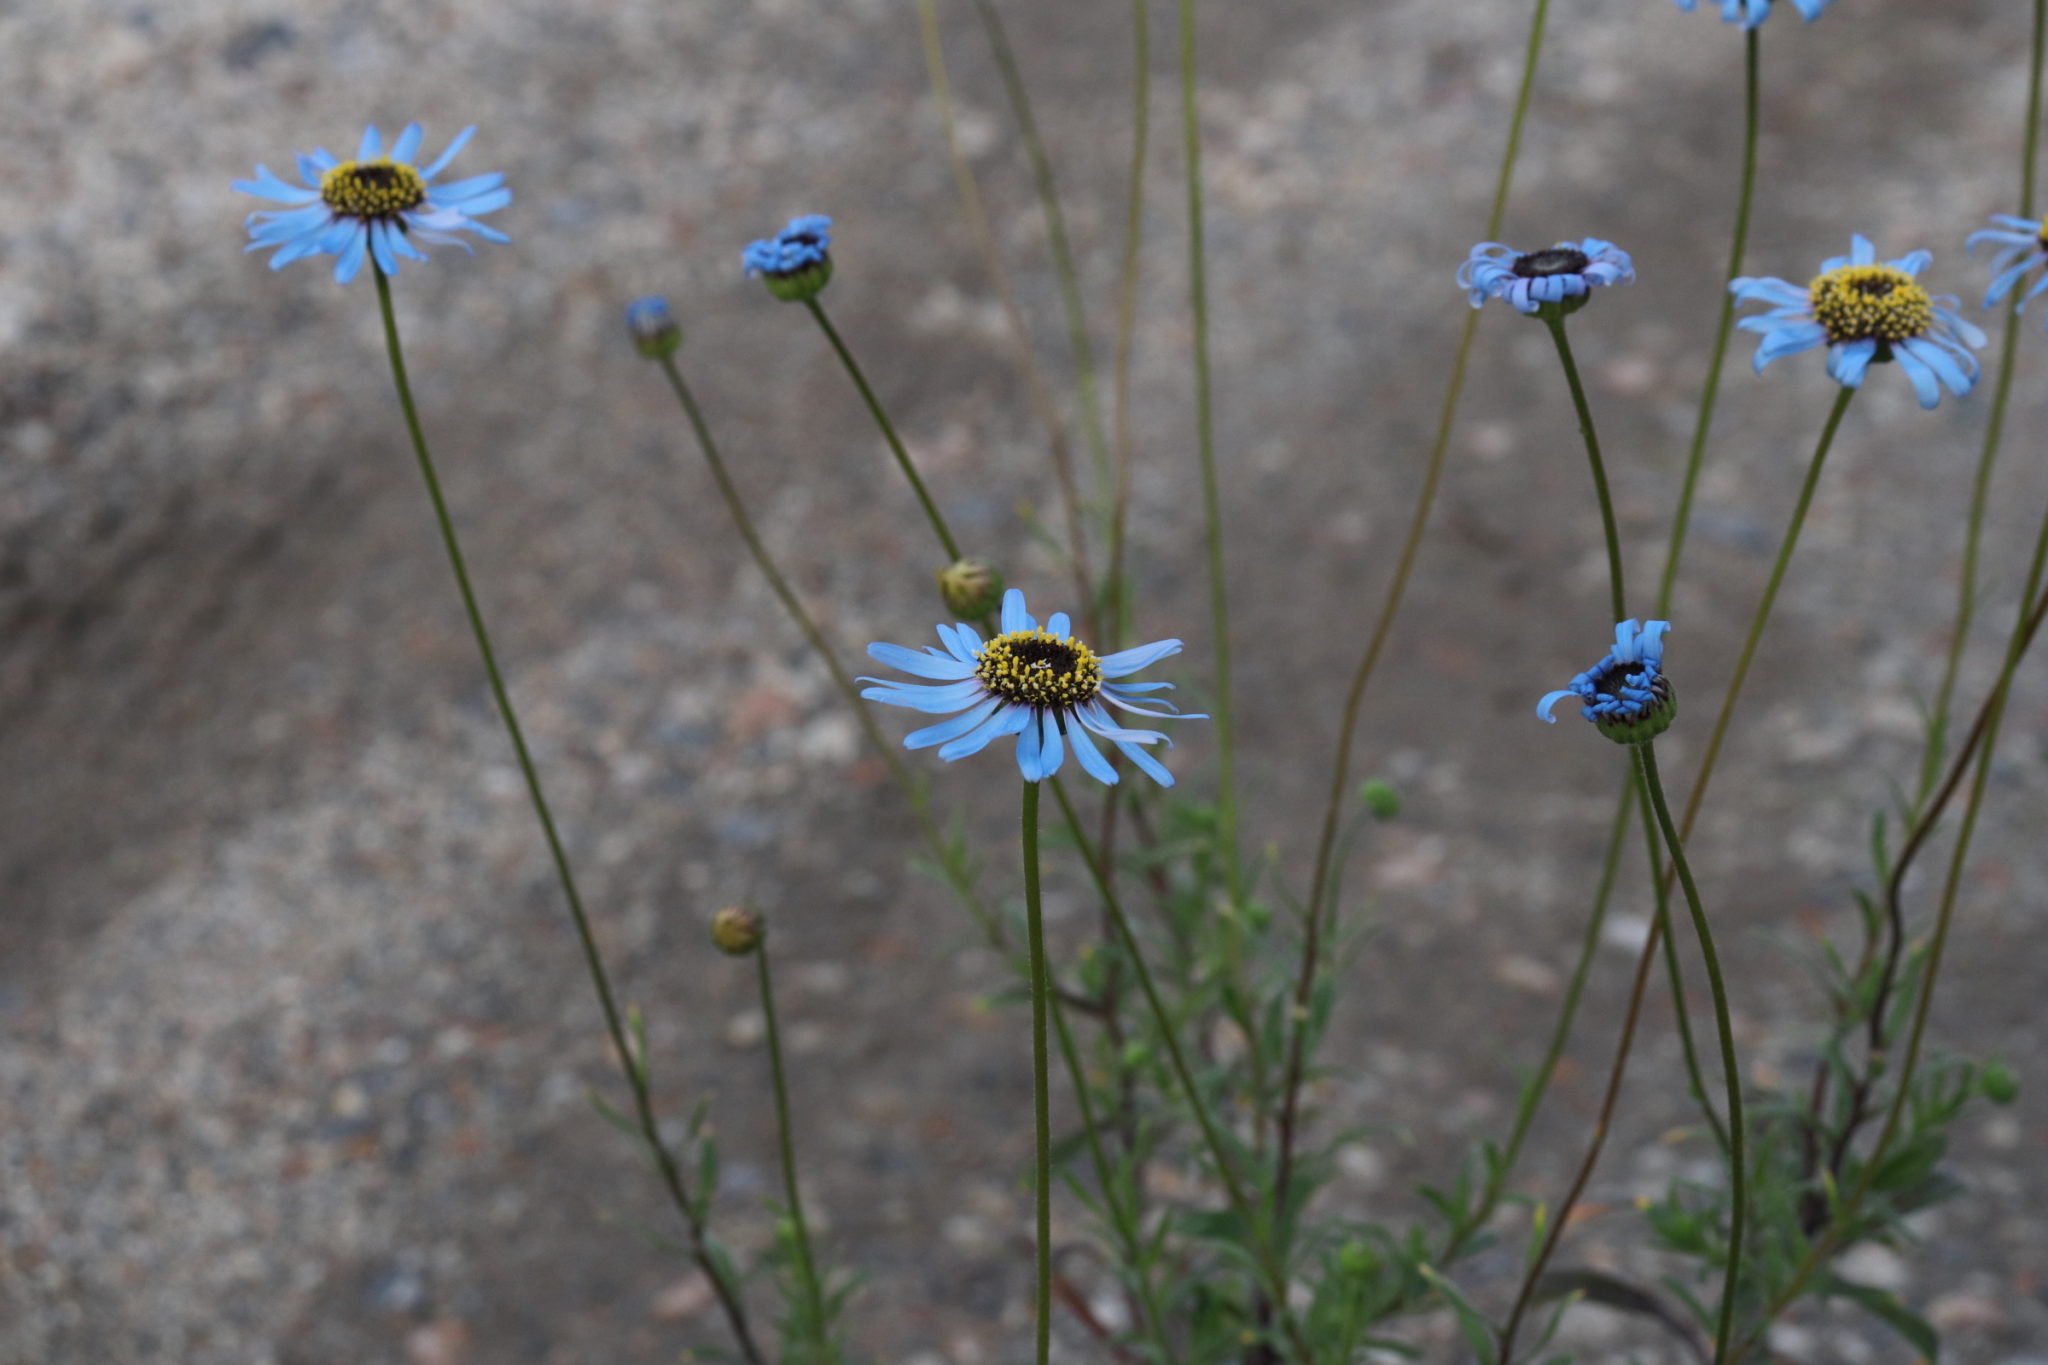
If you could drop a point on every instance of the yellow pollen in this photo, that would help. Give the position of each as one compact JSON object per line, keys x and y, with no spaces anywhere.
{"x":373,"y":189}
{"x":1035,"y":668}
{"x":1870,"y":302}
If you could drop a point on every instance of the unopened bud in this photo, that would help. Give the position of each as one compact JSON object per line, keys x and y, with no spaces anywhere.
{"x":970,"y":588}
{"x":1998,"y":1083}
{"x":656,"y":334}
{"x":736,"y":931}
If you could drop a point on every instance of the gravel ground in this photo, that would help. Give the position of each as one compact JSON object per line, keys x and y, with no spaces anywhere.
{"x":294,"y":1040}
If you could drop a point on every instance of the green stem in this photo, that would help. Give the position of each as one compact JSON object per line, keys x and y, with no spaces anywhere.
{"x":1205,"y":441}
{"x":1041,"y":1082}
{"x":1269,"y":1263}
{"x":1118,"y":610}
{"x":1617,"y":593}
{"x":976,"y":214}
{"x":1688,"y":1049}
{"x":1980,"y":490}
{"x":1397,"y":586}
{"x":807,"y":1264}
{"x":919,"y":796}
{"x":1702,"y":424}
{"x":630,"y":1062}
{"x":1056,"y":235}
{"x":860,"y":381}
{"x":1763,"y":608}
{"x":1738,"y":1167}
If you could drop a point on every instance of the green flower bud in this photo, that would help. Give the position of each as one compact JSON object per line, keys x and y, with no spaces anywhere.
{"x":1380,"y":798}
{"x":1358,"y":1260}
{"x":1998,"y":1083}
{"x":656,"y":334}
{"x":970,"y":588}
{"x":737,"y":931}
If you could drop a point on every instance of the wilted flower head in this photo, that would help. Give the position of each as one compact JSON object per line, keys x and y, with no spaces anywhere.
{"x":796,"y":262}
{"x":970,"y":587}
{"x":1043,"y":686}
{"x":376,"y":206}
{"x":1750,"y":13}
{"x":1556,"y":278}
{"x":1626,"y":694}
{"x":1863,"y":311}
{"x":737,"y":931}
{"x":2026,"y":246}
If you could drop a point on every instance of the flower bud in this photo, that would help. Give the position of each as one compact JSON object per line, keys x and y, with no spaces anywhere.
{"x":970,"y":588}
{"x":796,"y":263}
{"x":1998,"y":1083}
{"x":656,"y":334}
{"x":1357,"y":1260}
{"x":737,"y":931}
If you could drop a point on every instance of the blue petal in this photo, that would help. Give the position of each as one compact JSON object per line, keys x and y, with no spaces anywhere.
{"x":961,"y":641}
{"x":917,"y":661}
{"x":1095,"y":718}
{"x":952,"y":729}
{"x":1004,"y":722}
{"x":1129,"y":661}
{"x":1091,"y":759}
{"x":1051,"y":751}
{"x":1789,"y":338}
{"x":1848,"y":360}
{"x":440,"y":162}
{"x":351,"y":259}
{"x":1029,"y":760}
{"x":408,"y":145}
{"x":460,"y":190}
{"x":371,"y":145}
{"x":934,"y":700}
{"x":1550,"y":699}
{"x":1058,"y":626}
{"x":1924,"y":383}
{"x":1151,"y":766}
{"x":1944,"y":365}
{"x":1014,"y":616}
{"x":268,"y":186}
{"x":380,"y":248}
{"x":1861,"y":252}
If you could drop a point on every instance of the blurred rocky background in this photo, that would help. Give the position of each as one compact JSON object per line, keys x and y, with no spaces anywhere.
{"x":294,"y":1037}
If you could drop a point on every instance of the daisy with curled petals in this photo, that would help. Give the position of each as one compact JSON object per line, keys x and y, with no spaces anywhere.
{"x":378,"y":206}
{"x":1626,"y":694}
{"x":2026,"y":246}
{"x":1042,"y":685}
{"x":1558,"y":275}
{"x":1750,"y":13}
{"x":1863,"y":311}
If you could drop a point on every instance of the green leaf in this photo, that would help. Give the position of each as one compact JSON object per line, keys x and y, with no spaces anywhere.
{"x":1478,"y":1331}
{"x":1611,"y":1291}
{"x":1889,"y":1308}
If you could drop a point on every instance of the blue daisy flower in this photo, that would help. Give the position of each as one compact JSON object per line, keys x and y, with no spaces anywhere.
{"x":2026,"y":246}
{"x":1626,"y":694}
{"x":1862,"y":312}
{"x":796,"y":262}
{"x":377,"y":206}
{"x":1750,"y":13}
{"x":1043,"y":686}
{"x":1559,"y":275}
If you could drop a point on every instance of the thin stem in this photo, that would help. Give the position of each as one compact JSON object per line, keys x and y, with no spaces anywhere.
{"x":1397,"y":586}
{"x":1269,"y":1263}
{"x":807,"y":1264}
{"x":1723,"y":328}
{"x":1763,"y":609}
{"x":842,"y":681}
{"x":1688,"y":1050}
{"x":631,"y":1063}
{"x":860,"y":381}
{"x":1127,"y":317}
{"x":1738,"y":1162}
{"x":999,"y":279}
{"x":1205,"y":441}
{"x":1056,"y":234}
{"x":1980,"y":490}
{"x":1041,"y":1081}
{"x":1616,"y":592}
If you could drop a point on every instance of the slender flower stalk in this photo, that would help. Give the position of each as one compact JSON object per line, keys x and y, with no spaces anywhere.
{"x":1617,"y":591}
{"x":1041,"y":1081}
{"x":1117,"y":605}
{"x":1994,"y":431}
{"x":1397,"y":586}
{"x":631,"y":1063}
{"x":1738,"y":245}
{"x":807,"y":1262}
{"x":1021,"y":343}
{"x":1738,"y":1161}
{"x":888,"y":428}
{"x":957,"y":875}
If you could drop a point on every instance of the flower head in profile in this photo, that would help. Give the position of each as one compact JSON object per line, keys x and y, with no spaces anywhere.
{"x":1863,"y":311}
{"x":1043,"y":686}
{"x":1626,"y":694}
{"x":379,"y":205}
{"x":655,"y":332}
{"x":796,"y":262}
{"x":1750,"y":13}
{"x":1557,"y":278}
{"x":2025,"y":244}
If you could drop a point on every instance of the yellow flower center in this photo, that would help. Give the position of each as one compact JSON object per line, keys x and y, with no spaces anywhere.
{"x":1870,"y":302}
{"x":372,"y":189}
{"x":1033,"y":668}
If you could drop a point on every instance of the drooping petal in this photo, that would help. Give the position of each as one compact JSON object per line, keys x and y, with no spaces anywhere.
{"x":917,"y":661}
{"x":1091,"y":759}
{"x":934,"y":700}
{"x":1030,"y":758}
{"x":952,"y":729}
{"x":1550,"y":699}
{"x":1147,"y":764}
{"x":1925,"y":385}
{"x":1848,"y":360}
{"x":1127,"y":661}
{"x":1005,"y":722}
{"x":1052,"y":751}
